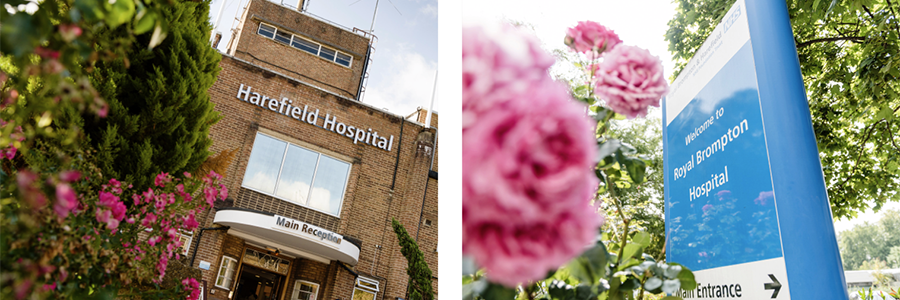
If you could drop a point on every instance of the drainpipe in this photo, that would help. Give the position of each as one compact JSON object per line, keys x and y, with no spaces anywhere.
{"x":200,"y":237}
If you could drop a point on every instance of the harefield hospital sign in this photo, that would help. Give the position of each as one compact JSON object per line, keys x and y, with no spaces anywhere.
{"x":288,"y":108}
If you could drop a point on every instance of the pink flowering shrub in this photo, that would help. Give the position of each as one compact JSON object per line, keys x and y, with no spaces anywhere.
{"x":630,"y":79}
{"x":528,"y":153}
{"x":121,"y":237}
{"x":591,"y":38}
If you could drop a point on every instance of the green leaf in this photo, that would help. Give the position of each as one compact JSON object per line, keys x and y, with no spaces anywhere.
{"x":561,"y":290}
{"x":470,"y":291}
{"x":885,"y":113}
{"x":686,"y":277}
{"x":642,"y":238}
{"x":144,"y":21}
{"x":607,"y":148}
{"x":630,"y":283}
{"x":590,"y":266}
{"x":121,"y":12}
{"x":91,"y":10}
{"x":499,"y":292}
{"x":631,"y":250}
{"x":887,"y":67}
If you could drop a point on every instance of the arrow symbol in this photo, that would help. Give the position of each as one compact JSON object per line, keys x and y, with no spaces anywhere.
{"x":775,"y":285}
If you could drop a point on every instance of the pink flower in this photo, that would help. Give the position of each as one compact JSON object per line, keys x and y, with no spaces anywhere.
{"x":22,"y":289}
{"x":149,"y":220}
{"x":162,"y":179}
{"x":210,"y":194}
{"x":497,"y":62}
{"x":707,"y":208}
{"x":26,"y":181}
{"x":65,"y":200}
{"x":528,"y":159}
{"x":192,"y":285}
{"x":190,"y":222}
{"x":107,"y":199}
{"x":223,"y":191}
{"x":591,"y":37}
{"x":106,"y":217}
{"x":69,"y":31}
{"x":10,"y":152}
{"x":630,"y":80}
{"x":154,"y":240}
{"x":69,"y":176}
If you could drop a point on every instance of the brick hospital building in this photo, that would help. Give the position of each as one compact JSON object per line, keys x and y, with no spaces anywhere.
{"x":317,"y":175}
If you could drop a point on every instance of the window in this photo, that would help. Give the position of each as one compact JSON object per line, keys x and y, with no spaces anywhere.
{"x":327,"y":53}
{"x":266,"y":31}
{"x":186,"y":238}
{"x":343,"y":59}
{"x":305,"y":290}
{"x":366,"y":289}
{"x":283,"y":37}
{"x":303,"y":44}
{"x":296,"y":174}
{"x":227,"y":269}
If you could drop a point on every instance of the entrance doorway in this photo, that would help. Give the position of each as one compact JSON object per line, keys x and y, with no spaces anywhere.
{"x":257,"y":284}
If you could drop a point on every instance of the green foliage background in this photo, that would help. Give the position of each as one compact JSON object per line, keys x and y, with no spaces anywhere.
{"x":159,"y":106}
{"x":848,"y":57}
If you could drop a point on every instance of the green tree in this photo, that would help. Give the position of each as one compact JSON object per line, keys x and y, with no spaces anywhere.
{"x":418,"y":271}
{"x":159,"y":105}
{"x":847,"y":51}
{"x":644,"y":203}
{"x":893,"y":259}
{"x":871,"y":241}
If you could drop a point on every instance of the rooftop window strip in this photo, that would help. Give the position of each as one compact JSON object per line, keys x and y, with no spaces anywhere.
{"x":304,"y":45}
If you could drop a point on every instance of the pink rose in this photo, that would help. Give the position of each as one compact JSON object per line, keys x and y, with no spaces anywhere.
{"x":498,"y":62}
{"x":65,"y":200}
{"x":528,"y":161}
{"x":630,"y":80}
{"x":591,"y":37}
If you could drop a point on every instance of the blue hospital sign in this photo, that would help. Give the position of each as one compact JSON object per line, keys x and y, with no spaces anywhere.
{"x":746,"y":207}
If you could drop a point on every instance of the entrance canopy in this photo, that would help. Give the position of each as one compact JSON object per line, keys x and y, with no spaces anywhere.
{"x":290,"y":236}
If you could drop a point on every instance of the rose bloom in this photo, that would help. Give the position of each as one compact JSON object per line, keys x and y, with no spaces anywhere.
{"x":528,"y":161}
{"x":630,"y":79}
{"x":498,"y":60}
{"x":591,"y":37}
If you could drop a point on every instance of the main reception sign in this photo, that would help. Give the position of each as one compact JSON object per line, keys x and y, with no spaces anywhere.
{"x":746,"y":207}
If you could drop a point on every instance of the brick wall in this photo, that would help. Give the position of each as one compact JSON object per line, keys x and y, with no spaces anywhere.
{"x":293,"y":62}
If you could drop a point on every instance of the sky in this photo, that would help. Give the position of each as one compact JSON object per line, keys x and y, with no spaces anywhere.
{"x":401,"y":75}
{"x":641,"y":23}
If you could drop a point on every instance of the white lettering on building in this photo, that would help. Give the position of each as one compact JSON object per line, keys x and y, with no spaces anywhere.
{"x":286,"y":107}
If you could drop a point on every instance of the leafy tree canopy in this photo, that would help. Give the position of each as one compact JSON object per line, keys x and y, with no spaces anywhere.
{"x":848,"y":57}
{"x":869,"y":242}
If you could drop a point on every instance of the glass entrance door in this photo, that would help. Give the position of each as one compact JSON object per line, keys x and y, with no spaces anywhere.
{"x":257,"y":284}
